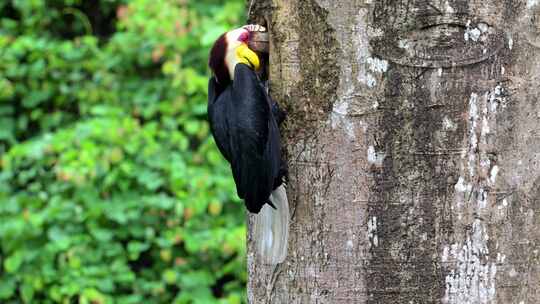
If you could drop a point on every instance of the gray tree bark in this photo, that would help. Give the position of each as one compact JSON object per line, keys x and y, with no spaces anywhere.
{"x":413,"y":144}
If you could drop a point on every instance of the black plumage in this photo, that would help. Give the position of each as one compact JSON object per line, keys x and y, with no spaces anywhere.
{"x":243,"y":122}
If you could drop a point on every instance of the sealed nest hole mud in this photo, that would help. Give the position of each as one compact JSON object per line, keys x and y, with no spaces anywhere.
{"x":258,"y":41}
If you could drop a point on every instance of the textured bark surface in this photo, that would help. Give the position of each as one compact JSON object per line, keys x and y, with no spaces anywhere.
{"x":413,"y":140}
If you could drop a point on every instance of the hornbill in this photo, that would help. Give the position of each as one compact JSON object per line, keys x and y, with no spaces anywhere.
{"x":244,"y":122}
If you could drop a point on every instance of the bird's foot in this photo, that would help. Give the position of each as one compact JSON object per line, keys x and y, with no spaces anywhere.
{"x":254,"y":28}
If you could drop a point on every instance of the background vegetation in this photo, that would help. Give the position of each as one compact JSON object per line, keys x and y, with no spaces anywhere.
{"x":111,"y":189}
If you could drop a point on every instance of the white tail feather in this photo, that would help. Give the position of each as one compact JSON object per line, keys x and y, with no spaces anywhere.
{"x":271,"y":228}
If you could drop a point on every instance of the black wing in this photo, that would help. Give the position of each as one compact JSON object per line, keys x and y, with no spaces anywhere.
{"x":217,"y":109}
{"x":246,"y":133}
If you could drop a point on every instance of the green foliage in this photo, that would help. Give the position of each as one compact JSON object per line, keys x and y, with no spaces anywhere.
{"x":111,"y":188}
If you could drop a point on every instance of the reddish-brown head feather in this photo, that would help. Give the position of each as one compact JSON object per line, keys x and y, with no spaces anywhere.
{"x":217,"y":61}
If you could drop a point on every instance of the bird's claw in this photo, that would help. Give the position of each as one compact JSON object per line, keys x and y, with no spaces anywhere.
{"x":254,"y":28}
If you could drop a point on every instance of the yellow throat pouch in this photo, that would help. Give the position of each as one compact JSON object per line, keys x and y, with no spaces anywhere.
{"x":245,"y":55}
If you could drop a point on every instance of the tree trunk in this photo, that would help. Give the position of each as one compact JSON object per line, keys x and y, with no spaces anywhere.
{"x":413,"y":145}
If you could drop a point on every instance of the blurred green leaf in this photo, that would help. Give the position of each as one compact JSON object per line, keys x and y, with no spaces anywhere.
{"x":111,"y":189}
{"x":27,"y":293}
{"x":13,"y":262}
{"x":7,"y":287}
